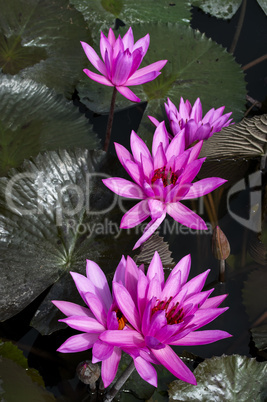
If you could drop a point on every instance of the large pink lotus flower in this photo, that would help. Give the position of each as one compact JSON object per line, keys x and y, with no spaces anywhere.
{"x":101,"y":314}
{"x":162,"y":181}
{"x":160,"y":313}
{"x":190,"y":118}
{"x":121,"y":59}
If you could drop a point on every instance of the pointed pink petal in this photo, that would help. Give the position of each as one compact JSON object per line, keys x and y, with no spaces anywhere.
{"x":195,"y":151}
{"x":143,"y":43}
{"x":95,"y":274}
{"x":147,"y":166}
{"x":160,"y":136}
{"x":121,"y":68}
{"x":135,"y":215}
{"x":157,"y":66}
{"x":105,"y":47}
{"x":97,"y":307}
{"x":196,"y":112}
{"x":124,"y":339}
{"x":142,"y":286}
{"x":203,"y":187}
{"x":109,"y":367}
{"x":149,"y":230}
{"x":111,"y":37}
{"x":131,"y":278}
{"x":127,"y":305}
{"x":159,"y":157}
{"x":135,"y":171}
{"x":156,"y":268}
{"x":123,"y":153}
{"x":124,"y":188}
{"x":138,"y":147}
{"x":177,"y":145}
{"x":153,"y":120}
{"x":143,"y":78}
{"x":85,"y":324}
{"x":69,"y":308}
{"x":202,"y":338}
{"x":196,"y":284}
{"x":156,"y":208}
{"x":127,"y":93}
{"x":172,"y":286}
{"x":98,"y":78}
{"x":119,"y":274}
{"x":213,"y":302}
{"x":185,"y":216}
{"x":191,"y":171}
{"x":183,"y":267}
{"x":94,"y":58}
{"x":146,"y":371}
{"x":128,"y":40}
{"x":154,"y":288}
{"x":169,"y":359}
{"x":78,"y":343}
{"x":83,"y":285}
{"x":102,"y":350}
{"x":205,"y":316}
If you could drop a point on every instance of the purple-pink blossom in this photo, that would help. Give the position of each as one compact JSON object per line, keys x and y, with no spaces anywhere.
{"x":121,"y":59}
{"x":101,"y":314}
{"x":161,"y":181}
{"x":190,"y":118}
{"x":161,"y":313}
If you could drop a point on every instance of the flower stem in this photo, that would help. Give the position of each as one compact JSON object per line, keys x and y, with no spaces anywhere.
{"x":110,"y":119}
{"x":121,"y":380}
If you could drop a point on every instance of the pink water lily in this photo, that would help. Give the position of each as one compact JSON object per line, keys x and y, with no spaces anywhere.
{"x":161,"y":313}
{"x":190,"y":118}
{"x":121,"y":60}
{"x":162,"y":181}
{"x":101,"y":314}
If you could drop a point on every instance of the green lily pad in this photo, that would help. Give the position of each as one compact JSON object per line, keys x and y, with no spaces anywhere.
{"x":100,"y":15}
{"x":33,"y":119}
{"x":40,"y":40}
{"x":263,"y":4}
{"x":247,"y":138}
{"x":259,"y":336}
{"x":219,"y":8}
{"x":223,"y":379}
{"x":55,"y":213}
{"x":254,"y":293}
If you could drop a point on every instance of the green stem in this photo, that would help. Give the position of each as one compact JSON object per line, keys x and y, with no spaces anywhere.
{"x":110,"y":120}
{"x":120,"y":382}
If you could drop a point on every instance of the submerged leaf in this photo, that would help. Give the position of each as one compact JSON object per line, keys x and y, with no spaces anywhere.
{"x":33,"y":119}
{"x":259,"y":336}
{"x":254,"y":293}
{"x":224,"y":379}
{"x":55,"y":213}
{"x":218,"y":8}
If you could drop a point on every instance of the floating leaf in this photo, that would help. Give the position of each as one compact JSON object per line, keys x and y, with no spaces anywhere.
{"x":224,"y":379}
{"x":259,"y":336}
{"x":218,"y":8}
{"x":55,"y":213}
{"x":100,"y":15}
{"x":254,"y":293}
{"x":245,"y":139}
{"x":197,"y":67}
{"x":263,"y":4}
{"x":33,"y":119}
{"x":40,"y":39}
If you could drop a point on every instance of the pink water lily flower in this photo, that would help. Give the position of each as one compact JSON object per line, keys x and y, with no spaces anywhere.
{"x":121,"y":60}
{"x":101,"y":314}
{"x":161,"y":313}
{"x":162,"y":181}
{"x":190,"y":118}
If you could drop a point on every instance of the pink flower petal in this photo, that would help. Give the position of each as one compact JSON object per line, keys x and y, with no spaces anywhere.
{"x":138,"y":147}
{"x":213,"y":302}
{"x":69,"y":308}
{"x":97,"y":307}
{"x":78,"y":343}
{"x":196,"y":284}
{"x":102,"y":350}
{"x":127,"y":305}
{"x":185,"y":216}
{"x":95,"y":274}
{"x":128,"y":40}
{"x":183,"y":267}
{"x":85,"y":324}
{"x":169,"y":359}
{"x":201,"y":337}
{"x":135,"y":215}
{"x":160,"y":136}
{"x":94,"y":58}
{"x":153,"y":120}
{"x":127,"y":93}
{"x":157,"y":66}
{"x":150,"y":228}
{"x":124,"y":188}
{"x":109,"y":367}
{"x":119,"y":274}
{"x":203,"y":187}
{"x":143,"y":78}
{"x":98,"y":78}
{"x":124,"y":339}
{"x":156,"y":268}
{"x":146,"y":370}
{"x":143,"y":43}
{"x":205,"y":316}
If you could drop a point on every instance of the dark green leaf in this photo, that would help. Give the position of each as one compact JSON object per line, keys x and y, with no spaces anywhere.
{"x":259,"y":336}
{"x":222,"y":379}
{"x":33,"y":119}
{"x":218,"y":8}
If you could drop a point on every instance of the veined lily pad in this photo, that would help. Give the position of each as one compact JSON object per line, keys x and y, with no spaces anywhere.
{"x":100,"y":15}
{"x":259,"y":336}
{"x":55,"y":213}
{"x":33,"y":119}
{"x":218,"y":8}
{"x":245,"y":139}
{"x":40,"y":40}
{"x":197,"y":67}
{"x":222,"y":379}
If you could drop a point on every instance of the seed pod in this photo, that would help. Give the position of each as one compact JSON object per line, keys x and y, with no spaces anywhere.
{"x":220,"y":244}
{"x":88,"y":372}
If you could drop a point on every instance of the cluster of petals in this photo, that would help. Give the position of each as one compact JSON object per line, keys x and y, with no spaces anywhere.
{"x":161,"y":313}
{"x":161,"y":181}
{"x":121,"y":59}
{"x":99,"y":315}
{"x":190,"y":118}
